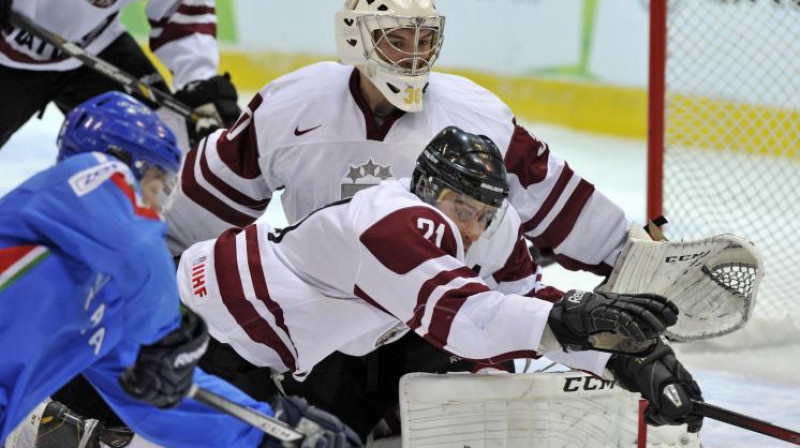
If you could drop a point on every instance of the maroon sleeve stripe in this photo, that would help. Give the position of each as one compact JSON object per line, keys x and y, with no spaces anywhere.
{"x":204,"y":198}
{"x":238,"y":146}
{"x":527,"y":157}
{"x":601,"y":269}
{"x":233,"y":297}
{"x":552,"y":198}
{"x":447,"y":307}
{"x":398,"y":240}
{"x":190,"y":10}
{"x":427,"y":288}
{"x":549,"y":294}
{"x":518,"y":265}
{"x":229,"y":192}
{"x":260,"y":281}
{"x":174,"y":31}
{"x":564,"y":222}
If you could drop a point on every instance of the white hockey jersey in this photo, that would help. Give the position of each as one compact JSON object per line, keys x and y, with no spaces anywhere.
{"x":182,"y":34}
{"x":361,"y":273}
{"x":312,"y":133}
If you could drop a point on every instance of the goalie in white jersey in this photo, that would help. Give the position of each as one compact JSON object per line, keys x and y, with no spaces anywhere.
{"x":428,"y":256}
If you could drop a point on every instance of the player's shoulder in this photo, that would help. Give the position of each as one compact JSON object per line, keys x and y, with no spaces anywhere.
{"x":452,"y":99}
{"x":310,"y":78}
{"x":392,"y":220}
{"x":458,"y":89}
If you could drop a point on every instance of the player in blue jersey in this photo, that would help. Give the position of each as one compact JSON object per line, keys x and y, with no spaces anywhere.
{"x":87,"y":286}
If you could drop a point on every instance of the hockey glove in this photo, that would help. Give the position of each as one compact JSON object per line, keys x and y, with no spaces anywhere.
{"x":618,"y":323}
{"x":214,"y":100}
{"x":662,"y":380}
{"x":5,"y":14}
{"x":163,"y":372}
{"x":322,"y":430}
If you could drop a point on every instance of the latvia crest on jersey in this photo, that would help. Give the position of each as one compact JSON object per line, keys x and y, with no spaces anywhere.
{"x":102,"y":3}
{"x":367,"y":174}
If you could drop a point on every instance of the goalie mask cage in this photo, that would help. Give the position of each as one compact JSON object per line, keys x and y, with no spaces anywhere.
{"x":724,"y":134}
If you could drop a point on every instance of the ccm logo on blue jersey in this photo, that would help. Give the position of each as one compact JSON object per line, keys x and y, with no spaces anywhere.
{"x":84,"y":182}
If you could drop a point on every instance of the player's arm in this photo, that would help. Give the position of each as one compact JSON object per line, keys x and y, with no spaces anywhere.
{"x":562,"y":214}
{"x":221,"y":184}
{"x":409,"y":268}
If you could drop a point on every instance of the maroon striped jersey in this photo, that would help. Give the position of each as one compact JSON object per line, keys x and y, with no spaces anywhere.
{"x":312,"y":134}
{"x":360,"y":273}
{"x":182,"y":34}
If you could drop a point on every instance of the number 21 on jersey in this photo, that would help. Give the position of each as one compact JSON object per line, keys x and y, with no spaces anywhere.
{"x":430,"y":228}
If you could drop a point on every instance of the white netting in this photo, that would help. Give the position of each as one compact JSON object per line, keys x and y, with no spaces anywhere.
{"x":732,"y":143}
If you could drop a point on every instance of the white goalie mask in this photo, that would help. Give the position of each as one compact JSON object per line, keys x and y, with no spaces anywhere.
{"x":394,"y":43}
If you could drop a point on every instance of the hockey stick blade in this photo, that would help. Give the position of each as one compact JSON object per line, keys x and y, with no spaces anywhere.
{"x":743,"y":421}
{"x":104,"y":68}
{"x":268,"y":425}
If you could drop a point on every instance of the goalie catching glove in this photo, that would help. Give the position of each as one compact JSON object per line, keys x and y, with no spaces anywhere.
{"x":321,"y":429}
{"x":164,"y":371}
{"x":215,"y":100}
{"x":663,"y":382}
{"x":618,"y":323}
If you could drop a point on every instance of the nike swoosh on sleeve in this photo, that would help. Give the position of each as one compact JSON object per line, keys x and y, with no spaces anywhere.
{"x":298,"y":132}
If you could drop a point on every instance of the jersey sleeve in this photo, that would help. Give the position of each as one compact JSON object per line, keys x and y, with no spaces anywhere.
{"x":95,"y":216}
{"x":564,"y":216}
{"x":410,"y":268}
{"x":520,"y":275}
{"x":183,"y":36}
{"x":221,"y":184}
{"x":190,"y":424}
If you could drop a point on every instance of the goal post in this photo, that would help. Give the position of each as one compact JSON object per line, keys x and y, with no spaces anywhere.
{"x":724,"y":134}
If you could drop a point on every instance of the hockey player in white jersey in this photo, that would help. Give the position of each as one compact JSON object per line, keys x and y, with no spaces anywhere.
{"x":330,"y":129}
{"x":426,"y":255}
{"x":34,"y":73}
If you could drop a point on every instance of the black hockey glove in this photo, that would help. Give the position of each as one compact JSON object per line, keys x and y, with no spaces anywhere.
{"x":215,"y":100}
{"x":581,"y":318}
{"x":662,"y":380}
{"x":162,"y":374}
{"x":322,"y":430}
{"x":5,"y":14}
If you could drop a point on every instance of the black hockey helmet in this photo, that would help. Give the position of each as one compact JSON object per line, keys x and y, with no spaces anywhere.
{"x":468,"y":163}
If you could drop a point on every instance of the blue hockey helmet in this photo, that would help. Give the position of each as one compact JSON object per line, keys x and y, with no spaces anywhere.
{"x":118,"y":124}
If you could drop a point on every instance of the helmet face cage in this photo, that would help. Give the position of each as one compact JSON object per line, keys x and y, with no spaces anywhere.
{"x":433,"y":189}
{"x":379,"y":32}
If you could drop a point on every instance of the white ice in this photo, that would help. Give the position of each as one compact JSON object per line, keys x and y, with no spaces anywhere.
{"x":758,"y":382}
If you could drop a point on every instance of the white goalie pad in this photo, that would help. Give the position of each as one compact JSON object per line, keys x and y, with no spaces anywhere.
{"x":542,"y":410}
{"x":713,"y":281}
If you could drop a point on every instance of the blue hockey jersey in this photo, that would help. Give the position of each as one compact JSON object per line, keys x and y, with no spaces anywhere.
{"x":85,"y":279}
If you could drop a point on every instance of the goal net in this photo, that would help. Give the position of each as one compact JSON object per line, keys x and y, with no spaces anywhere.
{"x":724,"y":149}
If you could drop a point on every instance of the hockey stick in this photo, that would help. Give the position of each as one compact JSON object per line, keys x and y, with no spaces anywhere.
{"x":743,"y":421}
{"x":104,"y":68}
{"x":269,"y":425}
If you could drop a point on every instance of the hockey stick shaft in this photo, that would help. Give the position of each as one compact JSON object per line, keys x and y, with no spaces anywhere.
{"x":104,"y":68}
{"x":268,"y":425}
{"x":743,"y":421}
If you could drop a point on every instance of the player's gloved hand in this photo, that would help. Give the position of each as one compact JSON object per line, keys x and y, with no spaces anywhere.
{"x":214,"y":100}
{"x":162,"y":374}
{"x":5,"y":14}
{"x":631,"y":323}
{"x":664,"y":382}
{"x":322,"y":430}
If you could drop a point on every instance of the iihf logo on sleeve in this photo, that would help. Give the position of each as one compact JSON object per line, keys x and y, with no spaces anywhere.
{"x":199,"y":277}
{"x":363,"y":176}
